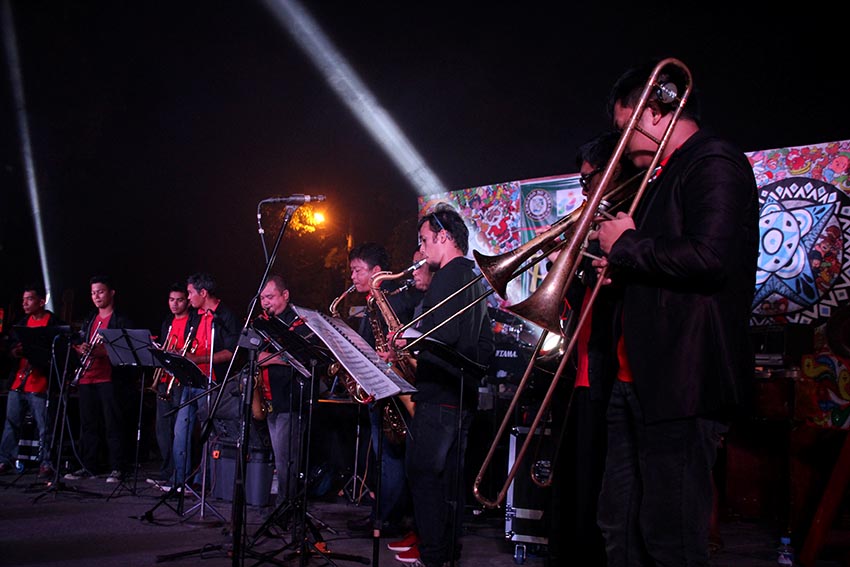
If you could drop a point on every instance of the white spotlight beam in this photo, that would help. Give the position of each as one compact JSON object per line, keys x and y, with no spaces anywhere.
{"x":10,"y":45}
{"x":351,"y":90}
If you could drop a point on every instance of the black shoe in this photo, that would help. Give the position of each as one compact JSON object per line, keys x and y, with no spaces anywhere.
{"x":362,"y":525}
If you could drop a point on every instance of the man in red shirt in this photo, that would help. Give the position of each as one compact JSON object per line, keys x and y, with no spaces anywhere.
{"x":29,"y":389}
{"x":102,"y":405}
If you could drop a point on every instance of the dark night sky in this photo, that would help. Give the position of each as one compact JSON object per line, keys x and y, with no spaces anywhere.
{"x":157,"y":127}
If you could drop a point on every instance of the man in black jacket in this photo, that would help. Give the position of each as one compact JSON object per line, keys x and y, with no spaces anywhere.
{"x":686,"y":262}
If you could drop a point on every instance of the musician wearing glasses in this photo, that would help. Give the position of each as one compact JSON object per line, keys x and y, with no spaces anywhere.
{"x":447,"y":390}
{"x":573,"y":531}
{"x":686,"y":262}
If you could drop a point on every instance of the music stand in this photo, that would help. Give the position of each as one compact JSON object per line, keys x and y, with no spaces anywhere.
{"x":36,"y":344}
{"x":61,"y":421}
{"x":189,"y":375}
{"x":303,"y":348}
{"x":130,"y":347}
{"x":186,"y":371}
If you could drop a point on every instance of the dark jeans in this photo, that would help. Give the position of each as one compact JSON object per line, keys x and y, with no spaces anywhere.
{"x":287,"y":436}
{"x":394,"y":499}
{"x":574,"y":534}
{"x":165,"y":426}
{"x":101,"y":416}
{"x":656,"y":497}
{"x":435,"y":460}
{"x":16,"y":409}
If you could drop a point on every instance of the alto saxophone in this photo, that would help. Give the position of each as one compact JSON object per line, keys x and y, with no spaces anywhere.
{"x":405,"y":366}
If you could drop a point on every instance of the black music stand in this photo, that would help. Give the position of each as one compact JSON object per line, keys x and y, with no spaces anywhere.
{"x":57,"y":485}
{"x":301,"y":353}
{"x":130,"y":347}
{"x":189,"y":375}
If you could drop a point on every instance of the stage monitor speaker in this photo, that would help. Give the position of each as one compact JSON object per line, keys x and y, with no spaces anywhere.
{"x":258,"y":474}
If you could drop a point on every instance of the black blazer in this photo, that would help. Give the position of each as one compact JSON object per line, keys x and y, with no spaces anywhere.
{"x":689,"y":272}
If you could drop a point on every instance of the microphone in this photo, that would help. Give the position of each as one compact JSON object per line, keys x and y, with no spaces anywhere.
{"x":294,"y":199}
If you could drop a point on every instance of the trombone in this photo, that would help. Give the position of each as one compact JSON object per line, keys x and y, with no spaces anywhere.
{"x":544,"y":305}
{"x":499,"y":270}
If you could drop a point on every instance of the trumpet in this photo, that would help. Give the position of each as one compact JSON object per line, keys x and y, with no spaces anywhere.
{"x":188,"y":346}
{"x":88,"y":357}
{"x":544,"y":305}
{"x":160,"y":371}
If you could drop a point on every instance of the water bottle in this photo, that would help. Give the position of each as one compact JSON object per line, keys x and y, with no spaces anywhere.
{"x":786,"y":552}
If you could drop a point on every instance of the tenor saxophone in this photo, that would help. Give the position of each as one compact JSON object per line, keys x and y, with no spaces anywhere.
{"x":405,"y":366}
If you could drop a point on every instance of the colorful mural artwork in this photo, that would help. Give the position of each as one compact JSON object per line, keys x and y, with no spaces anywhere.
{"x":804,"y":223}
{"x":822,"y":393}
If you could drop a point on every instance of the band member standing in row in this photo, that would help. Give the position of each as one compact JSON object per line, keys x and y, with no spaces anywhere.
{"x":277,"y":387}
{"x":407,"y":547}
{"x":446,"y":396}
{"x":215,"y":340}
{"x":29,"y":389}
{"x":366,"y":260}
{"x":104,"y":391}
{"x":687,"y":263}
{"x":175,"y":332}
{"x":573,"y":531}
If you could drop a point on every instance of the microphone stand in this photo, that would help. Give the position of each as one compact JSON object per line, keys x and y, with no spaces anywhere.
{"x":238,"y":535}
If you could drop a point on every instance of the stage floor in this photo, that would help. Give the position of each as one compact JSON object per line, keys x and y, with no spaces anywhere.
{"x":126,"y":525}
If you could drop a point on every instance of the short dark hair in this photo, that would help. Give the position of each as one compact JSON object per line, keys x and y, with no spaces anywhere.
{"x":597,"y":151}
{"x":102,"y":279}
{"x":203,"y":280}
{"x":178,"y":287}
{"x":37,"y":287}
{"x":278,"y":281}
{"x":629,"y":86}
{"x":443,"y":216}
{"x":372,"y":253}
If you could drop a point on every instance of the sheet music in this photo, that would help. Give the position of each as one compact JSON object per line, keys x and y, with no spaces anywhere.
{"x":355,"y":354}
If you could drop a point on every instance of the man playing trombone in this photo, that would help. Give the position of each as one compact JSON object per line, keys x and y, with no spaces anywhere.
{"x":686,"y":261}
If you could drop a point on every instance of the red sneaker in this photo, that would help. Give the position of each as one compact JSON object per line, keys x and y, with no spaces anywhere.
{"x":409,"y":556}
{"x":405,"y":543}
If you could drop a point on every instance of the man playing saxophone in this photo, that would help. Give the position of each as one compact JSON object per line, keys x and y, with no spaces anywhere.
{"x":366,"y":260}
